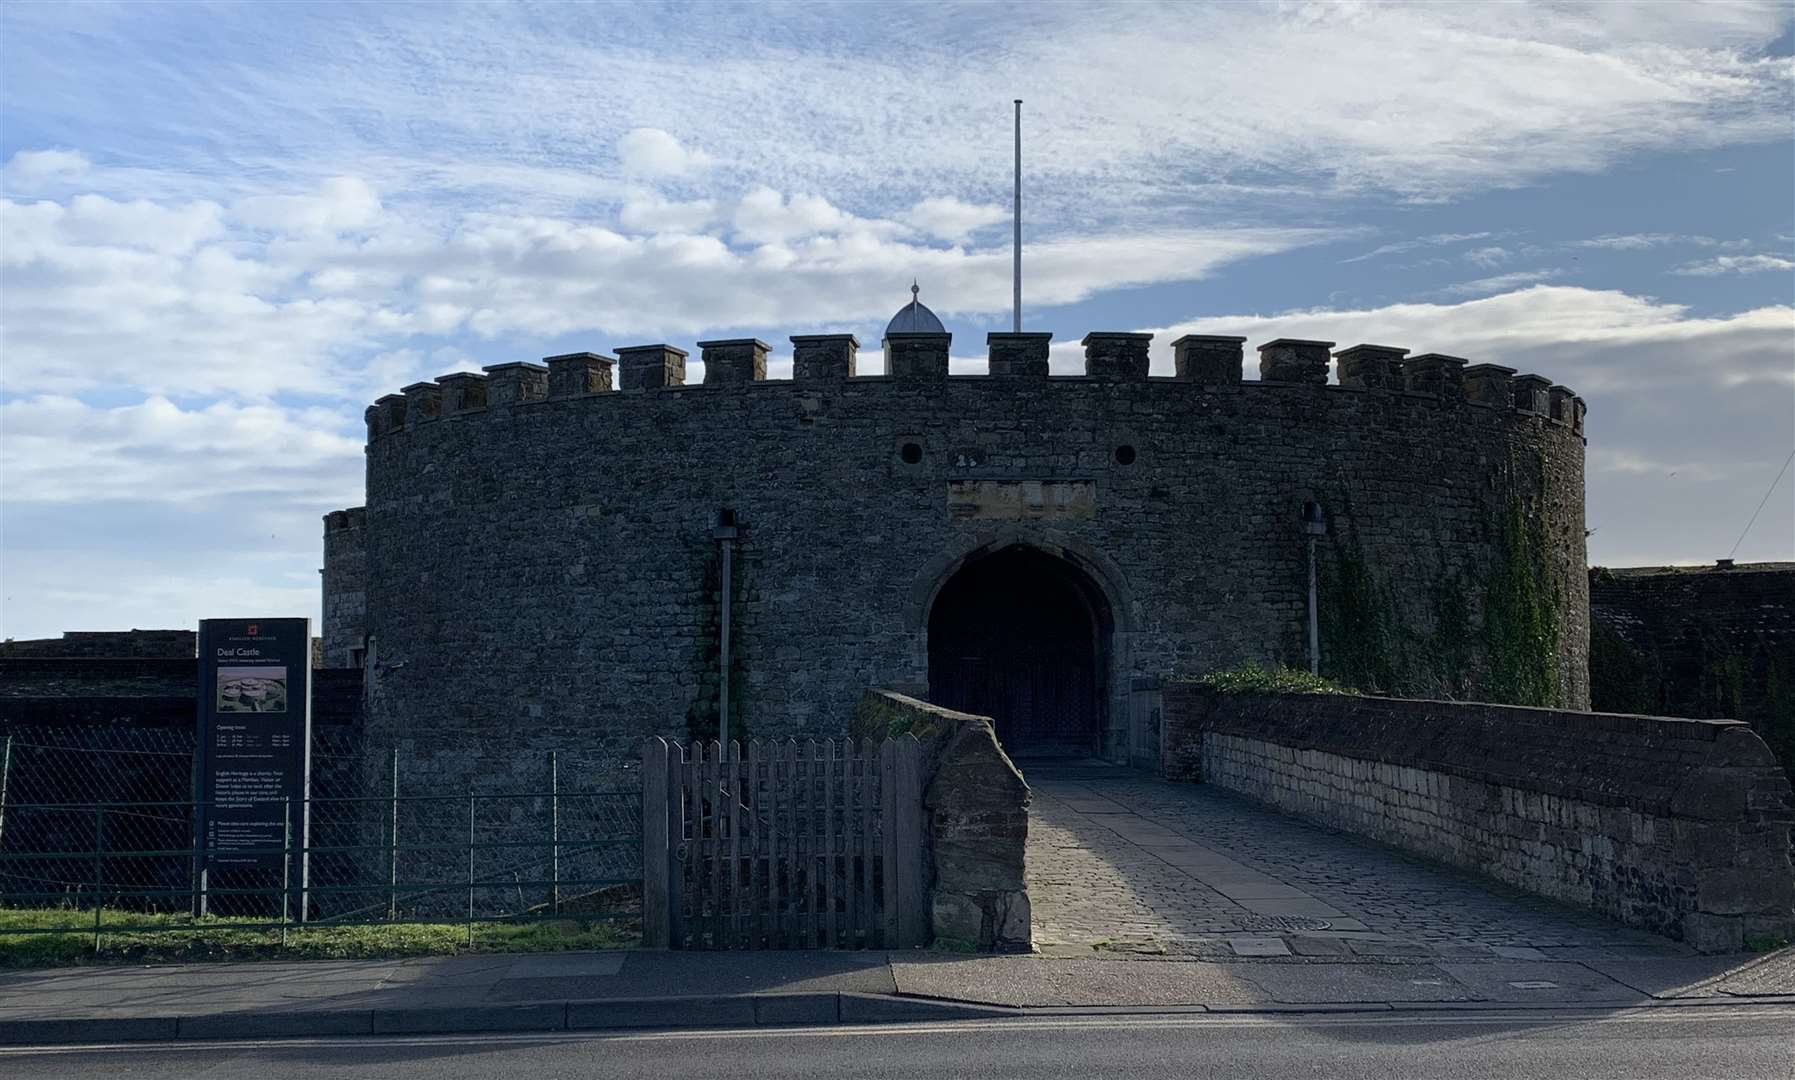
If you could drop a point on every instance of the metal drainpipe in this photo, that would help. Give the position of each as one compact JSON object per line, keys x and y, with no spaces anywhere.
{"x":724,"y":534}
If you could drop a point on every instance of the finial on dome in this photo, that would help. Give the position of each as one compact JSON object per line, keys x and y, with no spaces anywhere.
{"x":914,"y":318}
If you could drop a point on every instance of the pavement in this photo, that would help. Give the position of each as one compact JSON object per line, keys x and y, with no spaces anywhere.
{"x":1734,"y":1043}
{"x":645,"y":989}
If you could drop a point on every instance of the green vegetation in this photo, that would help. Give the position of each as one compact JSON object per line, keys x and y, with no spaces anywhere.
{"x":1253,"y":679}
{"x":1763,"y":943}
{"x":1363,"y":644}
{"x":66,"y":937}
{"x":1521,"y":610}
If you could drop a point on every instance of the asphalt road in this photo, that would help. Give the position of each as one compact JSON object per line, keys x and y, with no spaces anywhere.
{"x":1730,"y":1042}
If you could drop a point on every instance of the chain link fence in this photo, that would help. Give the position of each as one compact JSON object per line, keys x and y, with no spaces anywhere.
{"x":100,"y":818}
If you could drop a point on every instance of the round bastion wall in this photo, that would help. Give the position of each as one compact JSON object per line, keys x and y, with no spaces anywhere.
{"x":538,"y":564}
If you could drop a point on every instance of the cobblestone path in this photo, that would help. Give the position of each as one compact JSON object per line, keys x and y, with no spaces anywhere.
{"x":1136,"y":865}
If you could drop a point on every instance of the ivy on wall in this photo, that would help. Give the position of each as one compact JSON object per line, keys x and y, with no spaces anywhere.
{"x":1511,"y":655}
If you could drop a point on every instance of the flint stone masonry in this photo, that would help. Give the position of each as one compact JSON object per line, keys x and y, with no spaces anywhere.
{"x":542,"y":573}
{"x":1371,"y":367}
{"x":345,"y":587}
{"x":977,"y":829}
{"x":1116,"y":356}
{"x":1680,"y":827}
{"x":737,"y":360}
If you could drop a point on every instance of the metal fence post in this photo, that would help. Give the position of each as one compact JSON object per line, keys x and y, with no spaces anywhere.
{"x":470,"y":870}
{"x":392,"y":854}
{"x":554,"y":832}
{"x":99,"y":846}
{"x":5,"y":774}
{"x":286,"y":863}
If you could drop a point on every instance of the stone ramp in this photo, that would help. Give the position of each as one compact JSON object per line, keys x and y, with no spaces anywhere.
{"x":1123,"y":863}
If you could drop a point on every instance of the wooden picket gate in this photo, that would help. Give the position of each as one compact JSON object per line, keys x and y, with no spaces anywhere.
{"x":789,"y":846}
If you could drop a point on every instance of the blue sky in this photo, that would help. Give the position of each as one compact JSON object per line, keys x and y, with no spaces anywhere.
{"x":224,"y":229}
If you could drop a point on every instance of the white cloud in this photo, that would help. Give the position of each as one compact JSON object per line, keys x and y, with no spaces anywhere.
{"x":1499,"y":283}
{"x":653,"y":152}
{"x":59,"y":449}
{"x":293,"y":293}
{"x":1436,"y":240}
{"x":31,"y":171}
{"x":341,"y":204}
{"x":1488,"y":256}
{"x":953,"y":219}
{"x":1736,"y":264}
{"x":656,"y":214}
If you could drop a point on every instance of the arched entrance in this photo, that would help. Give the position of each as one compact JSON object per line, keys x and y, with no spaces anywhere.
{"x":1023,"y":637}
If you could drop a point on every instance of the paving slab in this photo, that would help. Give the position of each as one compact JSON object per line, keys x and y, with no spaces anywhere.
{"x":1541,"y":983}
{"x":1299,"y":984}
{"x":1306,"y":907}
{"x":1702,"y":976}
{"x":1035,"y":981}
{"x":1251,"y":945}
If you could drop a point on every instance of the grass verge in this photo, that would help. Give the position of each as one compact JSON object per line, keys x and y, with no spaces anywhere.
{"x":64,"y":937}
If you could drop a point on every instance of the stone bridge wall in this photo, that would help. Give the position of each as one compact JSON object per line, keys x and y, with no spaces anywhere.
{"x":977,"y":807}
{"x":1680,"y":827}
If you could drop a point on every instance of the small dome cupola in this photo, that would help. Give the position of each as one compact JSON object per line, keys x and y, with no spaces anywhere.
{"x":914,"y":318}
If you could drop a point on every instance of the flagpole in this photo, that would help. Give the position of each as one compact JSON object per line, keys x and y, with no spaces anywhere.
{"x":1016,"y":243}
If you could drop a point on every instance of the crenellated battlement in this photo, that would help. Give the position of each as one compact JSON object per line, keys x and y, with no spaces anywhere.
{"x":1207,"y":362}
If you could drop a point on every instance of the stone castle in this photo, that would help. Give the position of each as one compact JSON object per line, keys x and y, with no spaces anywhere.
{"x":540,"y":558}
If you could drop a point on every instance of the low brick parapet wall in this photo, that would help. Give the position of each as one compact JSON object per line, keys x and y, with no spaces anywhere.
{"x":976,"y":804}
{"x":1681,"y":827}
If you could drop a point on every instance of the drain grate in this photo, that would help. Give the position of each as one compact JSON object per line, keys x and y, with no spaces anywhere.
{"x":1281,"y":922}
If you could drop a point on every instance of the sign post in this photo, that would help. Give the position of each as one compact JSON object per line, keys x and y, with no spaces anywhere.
{"x":255,"y":740}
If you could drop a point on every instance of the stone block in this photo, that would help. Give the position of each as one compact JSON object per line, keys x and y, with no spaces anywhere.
{"x":1532,"y":393}
{"x":917,"y":357}
{"x":423,"y":402}
{"x":1294,"y":360}
{"x":1435,"y":373}
{"x":818,"y":357}
{"x":1109,"y":355}
{"x":734,"y":360}
{"x":1371,"y":367}
{"x":515,"y":383}
{"x":650,"y":367}
{"x":1489,"y":384}
{"x":1014,"y":356}
{"x":463,"y":391}
{"x":576,"y":374}
{"x":1709,"y":933}
{"x":1212,"y":360}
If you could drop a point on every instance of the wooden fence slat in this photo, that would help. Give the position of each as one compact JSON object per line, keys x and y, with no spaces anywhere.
{"x":732,"y":772}
{"x":751,"y":795}
{"x":788,"y":896}
{"x":829,"y":939}
{"x":695,"y":849}
{"x":907,"y":825}
{"x":656,"y":921}
{"x":713,"y":756}
{"x":869,"y":788}
{"x":888,"y":842}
